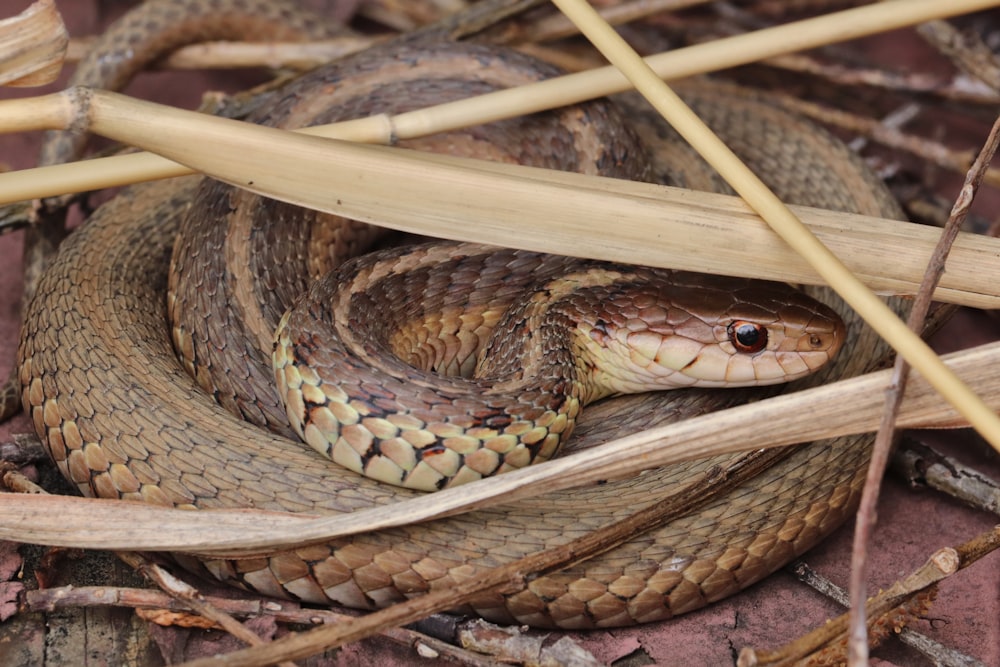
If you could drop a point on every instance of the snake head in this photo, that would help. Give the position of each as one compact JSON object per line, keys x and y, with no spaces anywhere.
{"x":673,"y":329}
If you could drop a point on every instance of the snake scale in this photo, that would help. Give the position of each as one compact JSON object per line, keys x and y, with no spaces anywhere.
{"x":122,"y":418}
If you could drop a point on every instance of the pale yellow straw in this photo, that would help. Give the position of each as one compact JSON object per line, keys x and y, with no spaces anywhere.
{"x":34,"y":43}
{"x":781,"y":219}
{"x":719,"y":54}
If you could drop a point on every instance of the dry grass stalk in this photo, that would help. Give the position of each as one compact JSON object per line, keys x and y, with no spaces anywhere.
{"x":858,"y":639}
{"x":780,"y":218}
{"x":570,"y":89}
{"x":34,"y":42}
{"x":840,"y":408}
{"x":921,"y":582}
{"x":654,"y":225}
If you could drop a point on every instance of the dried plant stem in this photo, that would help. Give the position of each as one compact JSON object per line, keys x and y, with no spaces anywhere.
{"x":858,"y":644}
{"x":654,"y":225}
{"x":936,"y":652}
{"x":184,"y":592}
{"x":152,"y":601}
{"x":34,"y":42}
{"x":570,"y":89}
{"x":957,"y":88}
{"x":782,"y":220}
{"x":941,"y":564}
{"x":967,"y":51}
{"x":892,"y":604}
{"x":842,"y":408}
{"x":509,"y":577}
{"x":919,"y":464}
{"x":22,"y":449}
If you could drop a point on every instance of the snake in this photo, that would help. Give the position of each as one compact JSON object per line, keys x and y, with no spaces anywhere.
{"x":121,"y":416}
{"x":349,"y":369}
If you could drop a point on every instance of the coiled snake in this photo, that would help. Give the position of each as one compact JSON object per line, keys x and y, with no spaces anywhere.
{"x":122,"y":419}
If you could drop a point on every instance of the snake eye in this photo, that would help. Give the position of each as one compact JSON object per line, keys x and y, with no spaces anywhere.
{"x":747,"y":336}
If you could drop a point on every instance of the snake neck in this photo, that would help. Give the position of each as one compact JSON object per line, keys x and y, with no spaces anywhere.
{"x":612,"y":330}
{"x":542,"y":342}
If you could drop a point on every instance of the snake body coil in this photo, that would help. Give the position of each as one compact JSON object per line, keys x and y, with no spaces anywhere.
{"x":524,"y":341}
{"x":122,"y":419}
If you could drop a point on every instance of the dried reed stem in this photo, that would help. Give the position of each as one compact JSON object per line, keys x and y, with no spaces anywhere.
{"x":782,"y":220}
{"x":570,"y":89}
{"x":34,"y":42}
{"x":654,"y":225}
{"x":840,"y":408}
{"x":865,"y":526}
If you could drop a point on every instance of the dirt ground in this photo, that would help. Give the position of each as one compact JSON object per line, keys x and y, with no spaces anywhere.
{"x":913,"y":523}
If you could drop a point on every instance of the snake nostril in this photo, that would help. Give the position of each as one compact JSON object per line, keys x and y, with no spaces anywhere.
{"x":815,"y":340}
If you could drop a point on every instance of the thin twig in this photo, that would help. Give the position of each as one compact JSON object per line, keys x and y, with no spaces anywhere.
{"x":890,"y":609}
{"x":858,"y":646}
{"x":50,"y":599}
{"x":937,"y":652}
{"x":507,"y":578}
{"x":901,"y":82}
{"x":190,"y":596}
{"x":966,"y":50}
{"x":920,"y":464}
{"x":518,"y":645}
{"x":941,"y":564}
